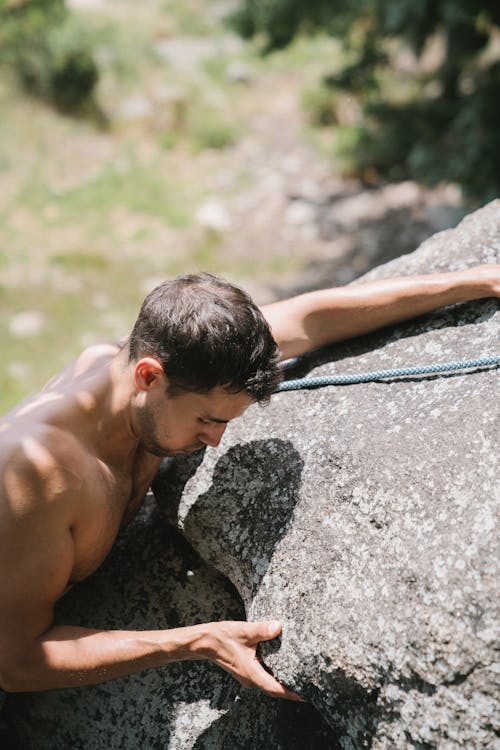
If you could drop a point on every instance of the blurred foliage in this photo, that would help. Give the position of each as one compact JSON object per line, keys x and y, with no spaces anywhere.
{"x":320,"y":102}
{"x":427,"y":122}
{"x":49,"y":51}
{"x":280,"y":20}
{"x":213,"y":133}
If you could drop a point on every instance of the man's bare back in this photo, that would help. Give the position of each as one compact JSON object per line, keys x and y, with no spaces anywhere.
{"x":77,"y":459}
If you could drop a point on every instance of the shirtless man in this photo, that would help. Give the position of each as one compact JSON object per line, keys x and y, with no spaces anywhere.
{"x":77,"y":458}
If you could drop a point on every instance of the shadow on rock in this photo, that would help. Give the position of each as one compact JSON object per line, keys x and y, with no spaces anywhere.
{"x":250,"y":502}
{"x":254,"y":722}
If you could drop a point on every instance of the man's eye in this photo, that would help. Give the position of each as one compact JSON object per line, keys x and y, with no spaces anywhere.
{"x":203,"y":421}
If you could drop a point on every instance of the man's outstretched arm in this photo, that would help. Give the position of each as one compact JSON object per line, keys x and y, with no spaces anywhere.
{"x":301,"y":324}
{"x":67,"y":656}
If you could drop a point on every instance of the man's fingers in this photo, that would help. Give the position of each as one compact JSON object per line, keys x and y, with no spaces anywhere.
{"x":263,"y":631}
{"x":234,"y":649}
{"x":264,"y":680}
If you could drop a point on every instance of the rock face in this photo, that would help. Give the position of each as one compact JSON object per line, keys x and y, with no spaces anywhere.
{"x":364,"y":517}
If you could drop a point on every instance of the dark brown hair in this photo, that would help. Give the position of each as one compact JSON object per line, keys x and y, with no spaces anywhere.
{"x":207,"y":332}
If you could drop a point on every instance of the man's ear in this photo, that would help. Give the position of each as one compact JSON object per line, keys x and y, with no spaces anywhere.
{"x":148,"y":373}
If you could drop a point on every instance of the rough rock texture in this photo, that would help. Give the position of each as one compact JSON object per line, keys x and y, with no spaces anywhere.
{"x":364,"y":517}
{"x":361,"y":516}
{"x":154,"y":580}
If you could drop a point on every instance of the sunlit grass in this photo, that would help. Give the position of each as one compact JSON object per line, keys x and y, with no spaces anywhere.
{"x":140,"y":189}
{"x":211,"y":130}
{"x":91,"y":216}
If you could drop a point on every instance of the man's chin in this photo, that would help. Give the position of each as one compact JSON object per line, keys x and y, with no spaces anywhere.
{"x":194,"y":449}
{"x":185,"y":451}
{"x":161,"y":452}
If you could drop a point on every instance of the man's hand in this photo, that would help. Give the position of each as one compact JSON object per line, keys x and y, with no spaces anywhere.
{"x":233,"y":645}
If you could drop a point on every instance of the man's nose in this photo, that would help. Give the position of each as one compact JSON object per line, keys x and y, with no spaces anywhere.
{"x":212,"y":434}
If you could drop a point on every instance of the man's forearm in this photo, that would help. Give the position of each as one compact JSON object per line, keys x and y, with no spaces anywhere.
{"x":331,"y":315}
{"x":67,"y":657}
{"x":363,"y":308}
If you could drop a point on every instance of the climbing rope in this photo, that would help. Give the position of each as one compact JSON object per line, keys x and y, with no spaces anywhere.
{"x":366,"y":377}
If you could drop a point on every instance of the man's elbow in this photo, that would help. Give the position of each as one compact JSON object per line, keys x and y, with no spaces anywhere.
{"x":11,"y":681}
{"x":15,"y":677}
{"x":8,"y":681}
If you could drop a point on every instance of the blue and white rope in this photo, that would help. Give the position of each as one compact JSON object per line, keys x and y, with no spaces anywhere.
{"x":365,"y":377}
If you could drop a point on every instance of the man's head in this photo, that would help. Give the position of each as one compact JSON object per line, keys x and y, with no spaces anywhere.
{"x":206,"y":332}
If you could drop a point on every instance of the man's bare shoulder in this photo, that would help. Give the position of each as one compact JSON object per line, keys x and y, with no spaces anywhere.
{"x":97,"y":353}
{"x":91,"y":358}
{"x":53,"y":402}
{"x":39,"y":465}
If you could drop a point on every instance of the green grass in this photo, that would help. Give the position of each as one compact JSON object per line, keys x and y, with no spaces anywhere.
{"x":191,"y":17}
{"x":315,"y":53}
{"x":209,"y":130}
{"x":140,"y":189}
{"x":89,"y":217}
{"x":81,"y":261}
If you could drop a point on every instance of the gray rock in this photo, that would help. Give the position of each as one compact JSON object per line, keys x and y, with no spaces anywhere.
{"x":361,"y":516}
{"x":364,"y":517}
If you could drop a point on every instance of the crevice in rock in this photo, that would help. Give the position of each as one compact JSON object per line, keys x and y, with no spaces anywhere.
{"x":461,"y":677}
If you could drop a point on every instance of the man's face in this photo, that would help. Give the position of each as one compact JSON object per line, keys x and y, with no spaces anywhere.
{"x":171,"y":426}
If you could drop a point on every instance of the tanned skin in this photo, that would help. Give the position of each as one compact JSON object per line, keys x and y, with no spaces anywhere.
{"x":77,"y":458}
